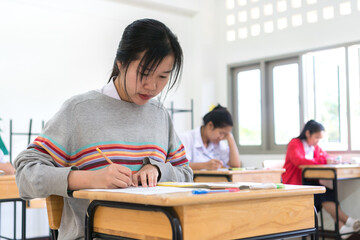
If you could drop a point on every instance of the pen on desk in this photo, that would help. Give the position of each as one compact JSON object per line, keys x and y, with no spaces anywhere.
{"x":103,"y":154}
{"x":204,"y":191}
{"x":236,"y":169}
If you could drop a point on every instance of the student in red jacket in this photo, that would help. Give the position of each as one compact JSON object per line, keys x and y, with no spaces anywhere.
{"x":303,"y":150}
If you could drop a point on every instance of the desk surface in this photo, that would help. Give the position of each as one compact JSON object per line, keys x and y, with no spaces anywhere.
{"x":343,"y":171}
{"x":236,"y":172}
{"x":187,"y":198}
{"x":257,"y":175}
{"x":8,"y":188}
{"x":234,"y":215}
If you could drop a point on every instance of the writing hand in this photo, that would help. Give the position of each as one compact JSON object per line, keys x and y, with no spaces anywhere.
{"x":332,"y":160}
{"x":147,"y":175}
{"x":113,"y":176}
{"x":214,"y":164}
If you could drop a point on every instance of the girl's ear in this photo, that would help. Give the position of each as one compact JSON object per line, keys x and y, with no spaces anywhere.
{"x":211,"y":125}
{"x":307,"y":134}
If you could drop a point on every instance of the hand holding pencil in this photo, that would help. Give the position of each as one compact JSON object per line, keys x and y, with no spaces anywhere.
{"x":116,"y":175}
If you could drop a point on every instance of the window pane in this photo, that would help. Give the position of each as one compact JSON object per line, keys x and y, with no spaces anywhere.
{"x":327,"y":86}
{"x":354,"y":81}
{"x":286,"y":102}
{"x":249,"y":107}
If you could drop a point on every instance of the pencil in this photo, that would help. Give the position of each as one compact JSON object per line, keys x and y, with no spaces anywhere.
{"x":103,"y":154}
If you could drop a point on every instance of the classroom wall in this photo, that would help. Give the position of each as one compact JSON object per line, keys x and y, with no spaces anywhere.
{"x":52,"y":50}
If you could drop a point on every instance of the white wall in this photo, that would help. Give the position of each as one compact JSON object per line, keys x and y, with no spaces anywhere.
{"x":52,"y":50}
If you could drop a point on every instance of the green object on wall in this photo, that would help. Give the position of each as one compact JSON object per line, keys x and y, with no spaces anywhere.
{"x":3,"y":148}
{"x":2,"y":145}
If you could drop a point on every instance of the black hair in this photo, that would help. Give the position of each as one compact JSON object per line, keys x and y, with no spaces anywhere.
{"x":219,"y":116}
{"x":156,"y":41}
{"x":313,"y":127}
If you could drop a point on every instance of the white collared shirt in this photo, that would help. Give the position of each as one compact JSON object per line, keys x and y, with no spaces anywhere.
{"x":309,"y":150}
{"x":110,"y":90}
{"x":197,"y":152}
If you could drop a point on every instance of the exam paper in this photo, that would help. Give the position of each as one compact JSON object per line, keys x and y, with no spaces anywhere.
{"x":144,"y":190}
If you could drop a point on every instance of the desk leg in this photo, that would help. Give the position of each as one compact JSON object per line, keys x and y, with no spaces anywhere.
{"x":337,"y":230}
{"x":23,"y":219}
{"x":316,"y":235}
{"x":14,"y":220}
{"x":168,"y":211}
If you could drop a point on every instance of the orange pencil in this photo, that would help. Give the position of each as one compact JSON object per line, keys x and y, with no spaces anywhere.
{"x":103,"y":154}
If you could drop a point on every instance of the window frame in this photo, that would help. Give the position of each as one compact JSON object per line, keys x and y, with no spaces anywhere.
{"x":268,"y":145}
{"x":235,"y":112}
{"x":269,"y":67}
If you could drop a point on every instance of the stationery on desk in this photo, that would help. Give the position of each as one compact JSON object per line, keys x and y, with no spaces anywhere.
{"x":205,"y":191}
{"x":225,"y":185}
{"x":194,"y":188}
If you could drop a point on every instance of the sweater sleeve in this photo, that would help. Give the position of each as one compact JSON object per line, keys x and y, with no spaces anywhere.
{"x":320,"y":156}
{"x":41,"y":170}
{"x":295,"y":153}
{"x":176,"y":167}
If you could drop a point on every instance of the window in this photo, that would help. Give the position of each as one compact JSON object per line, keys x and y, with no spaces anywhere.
{"x":285,"y":82}
{"x":326,"y":87}
{"x":249,"y":106}
{"x":272,"y":99}
{"x":354,"y":95}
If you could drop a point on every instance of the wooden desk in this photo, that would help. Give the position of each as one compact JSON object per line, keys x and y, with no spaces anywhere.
{"x":259,"y":175}
{"x":333,"y":173}
{"x":274,"y":213}
{"x":339,"y":172}
{"x":8,"y":188}
{"x":10,"y":193}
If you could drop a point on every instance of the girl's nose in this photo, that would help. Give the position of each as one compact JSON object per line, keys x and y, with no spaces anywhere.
{"x":150,"y":83}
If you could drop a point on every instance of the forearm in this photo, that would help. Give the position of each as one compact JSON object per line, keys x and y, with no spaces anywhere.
{"x":7,"y":168}
{"x":81,"y":180}
{"x":198,"y":165}
{"x":234,"y":158}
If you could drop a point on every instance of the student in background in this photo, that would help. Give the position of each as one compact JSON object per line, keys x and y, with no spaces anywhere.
{"x":204,"y":146}
{"x":6,"y":166}
{"x":132,"y":129}
{"x":304,"y":150}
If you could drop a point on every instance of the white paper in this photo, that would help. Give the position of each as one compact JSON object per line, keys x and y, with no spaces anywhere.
{"x":144,"y":190}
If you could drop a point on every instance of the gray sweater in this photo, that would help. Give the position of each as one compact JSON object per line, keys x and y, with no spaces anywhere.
{"x":137,"y":134}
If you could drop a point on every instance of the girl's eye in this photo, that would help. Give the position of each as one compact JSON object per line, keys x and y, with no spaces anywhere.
{"x":163,"y":76}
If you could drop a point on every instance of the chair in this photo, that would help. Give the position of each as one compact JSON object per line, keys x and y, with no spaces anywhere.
{"x":273,"y":164}
{"x":54,"y":206}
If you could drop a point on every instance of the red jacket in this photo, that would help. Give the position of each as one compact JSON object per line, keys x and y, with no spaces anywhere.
{"x":295,"y":156}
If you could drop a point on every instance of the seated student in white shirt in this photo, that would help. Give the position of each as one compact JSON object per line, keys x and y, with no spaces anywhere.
{"x":204,"y":146}
{"x":6,"y":166}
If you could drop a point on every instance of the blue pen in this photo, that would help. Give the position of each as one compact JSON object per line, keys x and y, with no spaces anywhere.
{"x":204,"y":191}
